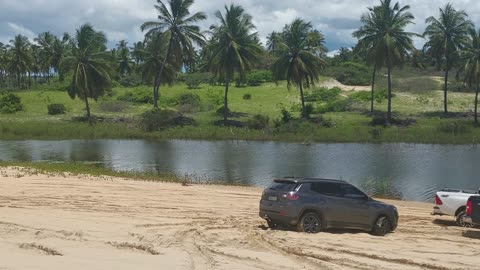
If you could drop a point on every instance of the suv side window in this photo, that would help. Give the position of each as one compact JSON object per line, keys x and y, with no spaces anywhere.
{"x":328,"y":189}
{"x":352,"y":192}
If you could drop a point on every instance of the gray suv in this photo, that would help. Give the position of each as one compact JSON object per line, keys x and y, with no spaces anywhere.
{"x":314,"y":204}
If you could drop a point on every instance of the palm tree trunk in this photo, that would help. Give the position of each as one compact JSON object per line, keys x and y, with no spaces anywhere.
{"x":476,"y":103}
{"x":162,"y":67}
{"x":302,"y":98}
{"x":445,"y":91}
{"x":373,"y":86}
{"x":87,"y":106}
{"x":389,"y":108}
{"x":225,"y":101}
{"x":155,"y":92}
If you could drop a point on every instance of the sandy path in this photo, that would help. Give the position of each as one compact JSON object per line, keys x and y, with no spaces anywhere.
{"x":72,"y":222}
{"x":330,"y":83}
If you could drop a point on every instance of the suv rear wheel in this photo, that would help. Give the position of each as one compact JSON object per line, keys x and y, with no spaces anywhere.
{"x":460,"y":219}
{"x":310,"y":223}
{"x":382,"y":226}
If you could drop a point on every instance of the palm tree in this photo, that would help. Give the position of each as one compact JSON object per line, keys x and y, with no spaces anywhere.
{"x":91,"y":72}
{"x":124,"y":61}
{"x":272,"y":41}
{"x":176,"y":24}
{"x":298,"y":61}
{"x":136,"y":50}
{"x":20,"y":58}
{"x":384,"y":37}
{"x":470,"y":56}
{"x":3,"y":63}
{"x":233,"y":48}
{"x":447,"y":35}
{"x":153,"y":55}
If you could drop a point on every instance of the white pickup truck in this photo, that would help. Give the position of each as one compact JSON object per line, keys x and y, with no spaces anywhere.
{"x":452,"y":202}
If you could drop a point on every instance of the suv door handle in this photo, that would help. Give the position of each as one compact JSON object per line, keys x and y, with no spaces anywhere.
{"x":444,"y":196}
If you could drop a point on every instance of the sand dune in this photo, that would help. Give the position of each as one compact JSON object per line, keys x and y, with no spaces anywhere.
{"x":79,"y":222}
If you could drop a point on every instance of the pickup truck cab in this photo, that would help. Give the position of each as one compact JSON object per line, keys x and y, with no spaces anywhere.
{"x":452,"y":202}
{"x":473,"y":210}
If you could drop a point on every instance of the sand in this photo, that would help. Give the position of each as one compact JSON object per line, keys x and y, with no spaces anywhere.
{"x":80,"y":222}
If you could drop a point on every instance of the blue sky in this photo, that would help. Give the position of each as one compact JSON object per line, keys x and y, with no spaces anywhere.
{"x":121,"y":19}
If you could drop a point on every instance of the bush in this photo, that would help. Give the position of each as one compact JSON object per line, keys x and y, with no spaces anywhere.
{"x":380,"y":119}
{"x":113,"y":106}
{"x":323,"y":94}
{"x":214,"y":98}
{"x":56,"y":109}
{"x":376,"y":133}
{"x":378,"y":95}
{"x":131,"y":80}
{"x":307,"y":111}
{"x":454,"y":128}
{"x":155,"y":120}
{"x":286,"y":116}
{"x":194,"y":80}
{"x":258,"y":122}
{"x":188,"y":98}
{"x":247,"y":96}
{"x":350,"y":73}
{"x":257,"y":77}
{"x":139,"y":95}
{"x":341,"y":105}
{"x":10,"y":103}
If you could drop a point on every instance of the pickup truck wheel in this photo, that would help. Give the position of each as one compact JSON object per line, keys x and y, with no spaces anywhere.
{"x":382,"y":226}
{"x":310,"y":223}
{"x":460,"y":219}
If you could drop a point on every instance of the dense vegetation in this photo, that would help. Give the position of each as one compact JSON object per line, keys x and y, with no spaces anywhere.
{"x":226,"y":77}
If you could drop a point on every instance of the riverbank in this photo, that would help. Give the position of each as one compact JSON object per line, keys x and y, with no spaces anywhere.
{"x":58,"y":221}
{"x":349,"y":128}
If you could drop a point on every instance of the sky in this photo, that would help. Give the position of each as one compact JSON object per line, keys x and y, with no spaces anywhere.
{"x":121,"y":19}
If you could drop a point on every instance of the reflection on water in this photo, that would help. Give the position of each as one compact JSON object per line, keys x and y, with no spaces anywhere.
{"x":416,"y":171}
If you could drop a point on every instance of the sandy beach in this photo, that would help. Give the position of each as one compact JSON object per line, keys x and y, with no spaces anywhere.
{"x":68,"y":221}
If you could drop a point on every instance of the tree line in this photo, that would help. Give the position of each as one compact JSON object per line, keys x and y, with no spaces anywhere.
{"x":231,"y":48}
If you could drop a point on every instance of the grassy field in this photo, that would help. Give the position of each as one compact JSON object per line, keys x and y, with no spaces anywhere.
{"x":352,"y":126}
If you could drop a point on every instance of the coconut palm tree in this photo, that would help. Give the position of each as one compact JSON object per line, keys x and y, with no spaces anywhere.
{"x":447,"y":35}
{"x":233,"y":48}
{"x":177,"y":25}
{"x":124,"y":61}
{"x":136,"y":52}
{"x":89,"y":63}
{"x":470,"y":57}
{"x":272,"y":41}
{"x":3,"y":63}
{"x":45,"y":43}
{"x":298,"y":61}
{"x":384,"y":37}
{"x":20,"y":57}
{"x":153,"y":55}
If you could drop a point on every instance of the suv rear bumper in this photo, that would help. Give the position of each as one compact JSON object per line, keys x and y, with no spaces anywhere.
{"x":277,"y":217}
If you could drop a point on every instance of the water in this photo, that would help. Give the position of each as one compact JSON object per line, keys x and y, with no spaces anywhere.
{"x":416,"y":171}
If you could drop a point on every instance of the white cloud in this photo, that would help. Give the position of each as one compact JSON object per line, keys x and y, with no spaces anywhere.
{"x":21,"y":30}
{"x":121,"y":19}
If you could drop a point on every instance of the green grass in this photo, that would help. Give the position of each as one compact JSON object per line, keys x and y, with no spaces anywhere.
{"x":268,"y":99}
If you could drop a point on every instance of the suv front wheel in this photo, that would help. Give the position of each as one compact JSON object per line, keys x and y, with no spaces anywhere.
{"x":382,"y":226}
{"x":310,"y":223}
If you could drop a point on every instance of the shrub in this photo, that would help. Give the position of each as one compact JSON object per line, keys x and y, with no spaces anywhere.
{"x":307,"y":111}
{"x":56,"y":109}
{"x":454,"y":128}
{"x":10,"y":103}
{"x":214,"y":98}
{"x":188,"y":99}
{"x":247,"y":96}
{"x":131,"y":80}
{"x":350,"y":73}
{"x":286,"y":116}
{"x":113,"y":106}
{"x":323,"y":94}
{"x":258,"y":122}
{"x":257,"y":77}
{"x":378,"y":95}
{"x":194,"y":80}
{"x":187,"y":108}
{"x":376,"y":133}
{"x":155,"y":120}
{"x":341,"y":105}
{"x":138,"y":95}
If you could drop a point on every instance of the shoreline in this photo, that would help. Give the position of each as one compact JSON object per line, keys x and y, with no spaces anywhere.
{"x":51,"y":221}
{"x":65,"y":130}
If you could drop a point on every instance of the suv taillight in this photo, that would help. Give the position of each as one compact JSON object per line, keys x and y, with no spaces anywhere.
{"x":469,"y":207}
{"x":437,"y":200}
{"x":291,"y":196}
